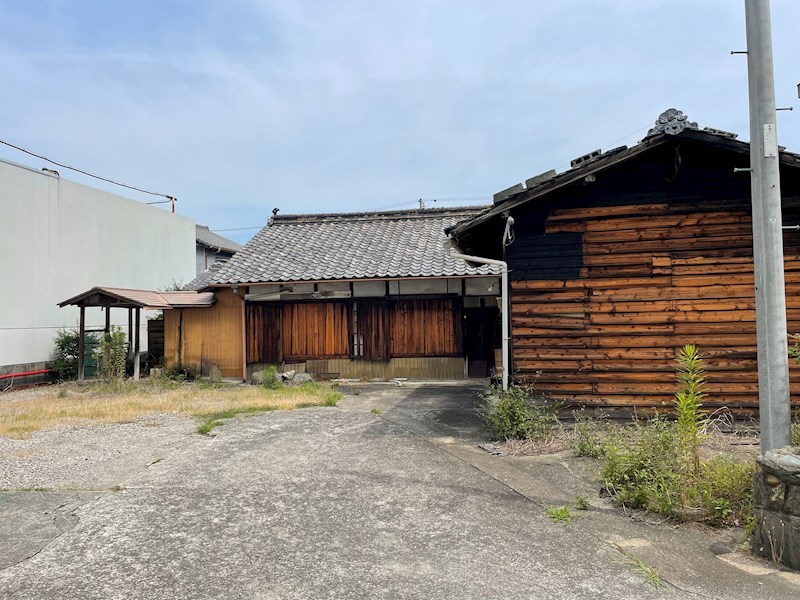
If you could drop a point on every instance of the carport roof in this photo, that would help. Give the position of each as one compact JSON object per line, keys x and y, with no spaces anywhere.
{"x":128,"y":298}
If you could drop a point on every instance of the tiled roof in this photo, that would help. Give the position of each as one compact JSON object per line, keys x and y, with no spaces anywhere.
{"x":209,"y":239}
{"x":379,"y":245}
{"x":205,"y":278}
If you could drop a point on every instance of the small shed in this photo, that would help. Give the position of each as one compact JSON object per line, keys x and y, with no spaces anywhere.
{"x":133,"y":301}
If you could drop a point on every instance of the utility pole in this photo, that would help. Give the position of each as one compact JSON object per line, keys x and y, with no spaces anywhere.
{"x":773,"y":359}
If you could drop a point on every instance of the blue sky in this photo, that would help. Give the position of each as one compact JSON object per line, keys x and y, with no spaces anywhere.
{"x":240,"y":106}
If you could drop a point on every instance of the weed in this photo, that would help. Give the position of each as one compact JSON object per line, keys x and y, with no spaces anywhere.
{"x":62,"y":393}
{"x":272,"y":381}
{"x":206,"y":427}
{"x":796,"y":433}
{"x":513,"y":414}
{"x":581,"y":502}
{"x":375,"y":411}
{"x":560,"y":514}
{"x":656,"y":465}
{"x":216,"y":419}
{"x":690,"y":419}
{"x":213,"y":383}
{"x":113,"y":349}
{"x":332,"y":398}
{"x":590,"y":441}
{"x":650,"y":574}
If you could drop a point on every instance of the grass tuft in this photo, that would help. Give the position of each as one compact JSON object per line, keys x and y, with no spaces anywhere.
{"x":560,"y":514}
{"x":649,"y":573}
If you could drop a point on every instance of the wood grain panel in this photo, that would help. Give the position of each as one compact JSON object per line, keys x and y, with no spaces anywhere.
{"x":655,"y":277}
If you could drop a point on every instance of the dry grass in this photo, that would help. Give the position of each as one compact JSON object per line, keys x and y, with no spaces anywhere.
{"x":23,"y":413}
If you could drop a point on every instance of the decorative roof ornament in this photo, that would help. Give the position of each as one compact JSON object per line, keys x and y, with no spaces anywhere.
{"x":672,"y":121}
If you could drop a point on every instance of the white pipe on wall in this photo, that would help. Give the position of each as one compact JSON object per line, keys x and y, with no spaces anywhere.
{"x":503,"y":296}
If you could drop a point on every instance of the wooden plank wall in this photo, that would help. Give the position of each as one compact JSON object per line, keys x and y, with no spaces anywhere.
{"x":315,"y":330}
{"x":210,"y":337}
{"x":264,"y":333}
{"x":426,"y":327}
{"x":653,"y":278}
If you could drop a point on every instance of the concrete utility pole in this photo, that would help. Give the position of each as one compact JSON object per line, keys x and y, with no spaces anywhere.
{"x":773,"y":360}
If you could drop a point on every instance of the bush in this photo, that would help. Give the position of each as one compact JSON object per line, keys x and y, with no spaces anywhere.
{"x":272,"y":380}
{"x":513,"y":414}
{"x":65,"y":354}
{"x":113,"y":351}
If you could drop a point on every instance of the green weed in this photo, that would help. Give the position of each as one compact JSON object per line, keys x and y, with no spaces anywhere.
{"x":272,"y":381}
{"x":375,"y":411}
{"x":514,"y":414}
{"x":581,"y":502}
{"x":650,"y":574}
{"x":560,"y":514}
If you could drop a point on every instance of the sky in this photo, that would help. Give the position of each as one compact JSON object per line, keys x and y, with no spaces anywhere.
{"x":242,"y":106}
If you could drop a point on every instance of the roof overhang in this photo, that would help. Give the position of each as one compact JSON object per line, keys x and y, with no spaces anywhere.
{"x":130,"y":298}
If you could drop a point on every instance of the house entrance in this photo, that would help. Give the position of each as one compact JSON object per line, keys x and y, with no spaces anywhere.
{"x":481,"y":335}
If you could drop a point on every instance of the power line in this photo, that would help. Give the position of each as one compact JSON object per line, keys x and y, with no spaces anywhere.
{"x":101,"y":178}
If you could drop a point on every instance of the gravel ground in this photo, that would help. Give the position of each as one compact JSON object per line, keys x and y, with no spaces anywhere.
{"x":91,"y":457}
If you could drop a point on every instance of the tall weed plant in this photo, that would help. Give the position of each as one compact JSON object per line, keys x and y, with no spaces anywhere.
{"x":113,"y":350}
{"x":656,"y":465}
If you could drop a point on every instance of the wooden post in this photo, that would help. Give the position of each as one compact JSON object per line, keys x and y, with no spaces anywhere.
{"x":108,"y":319}
{"x":130,"y":333}
{"x":244,"y":341}
{"x":81,"y":333}
{"x":136,"y":348}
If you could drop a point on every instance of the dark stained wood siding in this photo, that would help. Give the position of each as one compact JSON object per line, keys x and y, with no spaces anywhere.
{"x":264,"y":333}
{"x":374,"y":324}
{"x":653,"y":278}
{"x":315,"y":330}
{"x":427,"y":327}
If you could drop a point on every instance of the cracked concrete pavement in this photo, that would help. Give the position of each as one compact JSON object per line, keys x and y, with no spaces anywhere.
{"x":344,"y":503}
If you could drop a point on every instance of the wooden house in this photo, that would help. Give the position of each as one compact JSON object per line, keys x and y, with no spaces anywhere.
{"x":372,"y":295}
{"x":630,"y":254}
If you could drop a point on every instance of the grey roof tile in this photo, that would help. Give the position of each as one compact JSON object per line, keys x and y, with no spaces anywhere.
{"x":382,"y":245}
{"x":208,"y":238}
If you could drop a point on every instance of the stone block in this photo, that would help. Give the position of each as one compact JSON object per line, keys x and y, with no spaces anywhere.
{"x":791,"y":505}
{"x":301,"y":378}
{"x":777,"y":537}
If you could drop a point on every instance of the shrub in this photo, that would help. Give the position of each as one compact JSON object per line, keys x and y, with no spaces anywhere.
{"x":65,"y":354}
{"x":272,"y":380}
{"x":513,"y":414}
{"x":113,"y":350}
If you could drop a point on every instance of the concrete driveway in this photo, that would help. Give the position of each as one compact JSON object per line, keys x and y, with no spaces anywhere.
{"x":344,"y":503}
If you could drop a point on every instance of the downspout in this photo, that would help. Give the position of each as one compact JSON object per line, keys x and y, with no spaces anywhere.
{"x":503,"y":290}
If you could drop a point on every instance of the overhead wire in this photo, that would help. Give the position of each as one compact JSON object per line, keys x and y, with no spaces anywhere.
{"x":168,"y":197}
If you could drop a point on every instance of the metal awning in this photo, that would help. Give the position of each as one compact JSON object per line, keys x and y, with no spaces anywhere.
{"x":146,"y":299}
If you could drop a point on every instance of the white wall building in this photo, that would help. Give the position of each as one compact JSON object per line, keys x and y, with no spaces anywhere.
{"x":59,"y":238}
